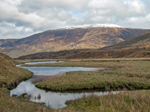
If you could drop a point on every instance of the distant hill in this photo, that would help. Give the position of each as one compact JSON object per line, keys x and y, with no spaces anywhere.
{"x":52,"y":55}
{"x":87,"y":54}
{"x":66,"y":39}
{"x":130,"y":53}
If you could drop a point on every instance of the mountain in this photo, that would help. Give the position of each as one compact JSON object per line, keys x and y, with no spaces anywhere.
{"x":142,"y":41}
{"x":8,"y":41}
{"x":137,"y":47}
{"x":93,"y":37}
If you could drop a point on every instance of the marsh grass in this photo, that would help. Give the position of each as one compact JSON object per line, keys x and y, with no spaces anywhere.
{"x":136,"y":101}
{"x":129,"y":74}
{"x":126,"y":74}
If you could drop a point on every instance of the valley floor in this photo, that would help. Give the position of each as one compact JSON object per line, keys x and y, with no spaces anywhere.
{"x":124,"y":74}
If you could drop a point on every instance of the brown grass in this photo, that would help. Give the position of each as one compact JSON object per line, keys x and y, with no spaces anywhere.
{"x":10,"y":75}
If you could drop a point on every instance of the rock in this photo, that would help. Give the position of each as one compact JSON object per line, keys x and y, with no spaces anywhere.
{"x":25,"y":95}
{"x":14,"y":95}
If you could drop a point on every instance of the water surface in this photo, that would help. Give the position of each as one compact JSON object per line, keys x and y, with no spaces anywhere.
{"x":54,"y":100}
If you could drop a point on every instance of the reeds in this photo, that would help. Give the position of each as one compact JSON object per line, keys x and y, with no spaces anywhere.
{"x":136,"y":101}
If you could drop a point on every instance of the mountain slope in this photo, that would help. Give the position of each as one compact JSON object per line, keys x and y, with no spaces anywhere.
{"x":65,"y":39}
{"x":134,"y":48}
{"x":140,"y":41}
{"x":51,"y":55}
{"x":87,"y":54}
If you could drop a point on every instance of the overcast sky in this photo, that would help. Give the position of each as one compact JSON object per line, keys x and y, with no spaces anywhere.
{"x":21,"y":18}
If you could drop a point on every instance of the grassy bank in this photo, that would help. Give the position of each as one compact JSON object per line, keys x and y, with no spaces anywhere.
{"x":10,"y":75}
{"x":126,"y":74}
{"x":11,"y":104}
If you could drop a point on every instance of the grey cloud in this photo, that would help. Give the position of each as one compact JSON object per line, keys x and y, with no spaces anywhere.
{"x":119,"y":8}
{"x":9,"y":30}
{"x":30,"y":16}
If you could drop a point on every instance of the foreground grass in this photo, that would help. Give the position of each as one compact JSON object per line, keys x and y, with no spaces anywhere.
{"x":8,"y":104}
{"x":126,"y":74}
{"x":137,"y":101}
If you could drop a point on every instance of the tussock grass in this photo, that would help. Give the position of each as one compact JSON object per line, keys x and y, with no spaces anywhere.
{"x":126,"y":74}
{"x":137,"y":101}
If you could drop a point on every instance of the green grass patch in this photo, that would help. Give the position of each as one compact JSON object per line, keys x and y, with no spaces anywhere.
{"x":126,"y":74}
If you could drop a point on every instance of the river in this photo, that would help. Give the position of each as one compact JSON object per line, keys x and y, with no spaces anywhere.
{"x":54,"y":100}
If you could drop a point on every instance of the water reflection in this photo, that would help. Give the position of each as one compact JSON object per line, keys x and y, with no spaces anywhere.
{"x":54,"y":100}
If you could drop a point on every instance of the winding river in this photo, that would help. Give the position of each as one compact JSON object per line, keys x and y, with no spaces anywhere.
{"x":54,"y":100}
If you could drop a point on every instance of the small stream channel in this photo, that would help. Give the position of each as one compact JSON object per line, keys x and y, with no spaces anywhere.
{"x":54,"y":100}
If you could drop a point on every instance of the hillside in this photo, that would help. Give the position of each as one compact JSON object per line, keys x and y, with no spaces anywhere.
{"x":86,"y":54}
{"x":51,"y":55}
{"x":142,"y":41}
{"x":65,"y":39}
{"x":8,"y":41}
{"x":10,"y":75}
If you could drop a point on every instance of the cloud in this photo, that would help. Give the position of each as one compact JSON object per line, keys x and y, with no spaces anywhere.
{"x":21,"y":18}
{"x":8,"y":30}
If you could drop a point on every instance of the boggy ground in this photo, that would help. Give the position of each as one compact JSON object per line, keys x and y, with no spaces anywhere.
{"x":125,"y":74}
{"x":136,"y":101}
{"x":133,"y":101}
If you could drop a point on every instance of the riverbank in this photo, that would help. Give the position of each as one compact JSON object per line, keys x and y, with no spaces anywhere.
{"x":134,"y":101}
{"x":124,"y":74}
{"x":19,"y":104}
{"x":10,"y":75}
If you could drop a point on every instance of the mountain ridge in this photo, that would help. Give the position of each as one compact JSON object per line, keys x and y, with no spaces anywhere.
{"x":138,"y":47}
{"x":65,"y":39}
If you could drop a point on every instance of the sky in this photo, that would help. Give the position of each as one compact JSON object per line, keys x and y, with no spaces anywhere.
{"x":21,"y":18}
